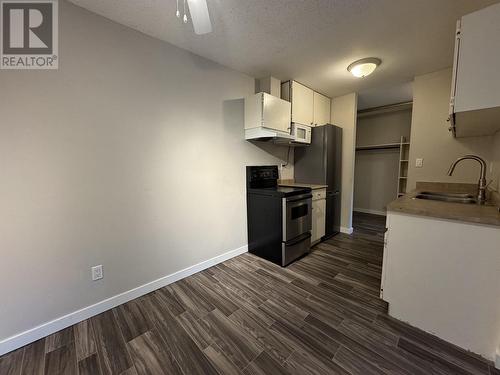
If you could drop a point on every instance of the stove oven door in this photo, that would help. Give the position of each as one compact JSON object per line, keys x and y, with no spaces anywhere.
{"x":295,"y":248}
{"x":297,"y":216}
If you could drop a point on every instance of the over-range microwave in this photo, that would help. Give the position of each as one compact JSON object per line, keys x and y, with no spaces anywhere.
{"x":301,"y":133}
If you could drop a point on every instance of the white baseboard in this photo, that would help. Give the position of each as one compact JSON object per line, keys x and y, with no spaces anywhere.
{"x":346,"y":230}
{"x":369,"y":211}
{"x":24,"y":338}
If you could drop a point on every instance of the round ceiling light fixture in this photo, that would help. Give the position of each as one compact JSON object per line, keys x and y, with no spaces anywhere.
{"x":364,"y":67}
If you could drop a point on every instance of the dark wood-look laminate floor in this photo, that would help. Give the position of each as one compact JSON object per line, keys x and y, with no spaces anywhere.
{"x":368,"y":224}
{"x":321,"y":315}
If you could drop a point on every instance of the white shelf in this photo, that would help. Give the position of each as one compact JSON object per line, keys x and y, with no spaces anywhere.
{"x":402,"y":180}
{"x":379,"y":146}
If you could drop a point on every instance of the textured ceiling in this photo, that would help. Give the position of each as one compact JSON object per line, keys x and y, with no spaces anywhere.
{"x":311,"y":41}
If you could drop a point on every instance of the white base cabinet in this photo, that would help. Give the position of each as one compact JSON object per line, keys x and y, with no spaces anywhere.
{"x":318,"y":215}
{"x":443,"y":277}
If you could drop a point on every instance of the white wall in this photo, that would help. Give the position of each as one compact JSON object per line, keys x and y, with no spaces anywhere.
{"x":496,"y":162}
{"x":431,"y":140}
{"x":131,"y":155}
{"x":376,"y":171}
{"x":343,"y":114}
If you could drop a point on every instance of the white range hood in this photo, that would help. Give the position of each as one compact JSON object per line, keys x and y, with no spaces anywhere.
{"x":267,"y":118}
{"x":263,"y":134}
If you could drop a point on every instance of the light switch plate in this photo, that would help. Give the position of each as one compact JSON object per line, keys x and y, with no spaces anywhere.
{"x":419,"y":163}
{"x":97,"y":273}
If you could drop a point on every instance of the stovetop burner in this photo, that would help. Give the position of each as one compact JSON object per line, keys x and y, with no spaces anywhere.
{"x":280,"y":191}
{"x":264,"y":180}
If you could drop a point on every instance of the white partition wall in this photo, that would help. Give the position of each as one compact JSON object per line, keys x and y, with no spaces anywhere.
{"x":344,"y":113}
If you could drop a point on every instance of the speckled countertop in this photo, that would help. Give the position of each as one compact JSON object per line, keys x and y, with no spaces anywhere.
{"x":472,"y":213}
{"x":300,"y":184}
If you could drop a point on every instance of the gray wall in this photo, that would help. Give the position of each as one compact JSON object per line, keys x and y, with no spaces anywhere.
{"x":376,"y":172}
{"x":431,"y":140}
{"x":375,"y":180}
{"x":383,"y":128}
{"x":496,"y":163}
{"x":131,"y":155}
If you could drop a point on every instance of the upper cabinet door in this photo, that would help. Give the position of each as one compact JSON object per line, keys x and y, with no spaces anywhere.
{"x":475,"y":101}
{"x":302,"y":104}
{"x":321,"y":109}
{"x":275,"y":113}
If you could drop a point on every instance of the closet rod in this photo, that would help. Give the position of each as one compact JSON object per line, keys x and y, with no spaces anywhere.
{"x":385,"y":109}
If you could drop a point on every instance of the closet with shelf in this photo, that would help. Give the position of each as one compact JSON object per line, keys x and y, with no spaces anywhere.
{"x":382,"y":156}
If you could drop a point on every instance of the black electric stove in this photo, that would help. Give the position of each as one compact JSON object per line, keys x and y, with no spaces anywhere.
{"x":279,"y":218}
{"x":279,"y":191}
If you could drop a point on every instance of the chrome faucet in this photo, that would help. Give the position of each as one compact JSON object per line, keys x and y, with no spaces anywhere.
{"x":481,"y":192}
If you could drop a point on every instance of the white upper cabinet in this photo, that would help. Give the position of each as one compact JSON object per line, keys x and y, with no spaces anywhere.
{"x":308,"y":107}
{"x":302,"y":104}
{"x":321,"y":109}
{"x":475,"y":94}
{"x":266,"y":111}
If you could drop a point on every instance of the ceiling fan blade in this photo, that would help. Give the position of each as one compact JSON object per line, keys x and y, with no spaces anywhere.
{"x":199,"y":16}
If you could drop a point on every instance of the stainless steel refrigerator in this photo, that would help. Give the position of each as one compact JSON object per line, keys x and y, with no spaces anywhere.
{"x":321,"y":163}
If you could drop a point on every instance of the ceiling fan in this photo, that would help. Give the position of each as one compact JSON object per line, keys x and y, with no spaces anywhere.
{"x":199,"y":15}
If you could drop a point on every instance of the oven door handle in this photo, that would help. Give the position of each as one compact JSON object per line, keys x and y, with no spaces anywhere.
{"x":301,"y":198}
{"x":301,"y":238}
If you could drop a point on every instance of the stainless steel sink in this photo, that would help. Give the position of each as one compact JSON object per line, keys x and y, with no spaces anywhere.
{"x":445,"y":197}
{"x":452,"y":195}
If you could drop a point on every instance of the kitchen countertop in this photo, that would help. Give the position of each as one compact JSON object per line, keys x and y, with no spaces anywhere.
{"x":472,"y":213}
{"x":301,"y":184}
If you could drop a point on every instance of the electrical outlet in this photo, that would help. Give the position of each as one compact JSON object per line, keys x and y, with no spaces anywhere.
{"x":419,"y":163}
{"x":97,"y":273}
